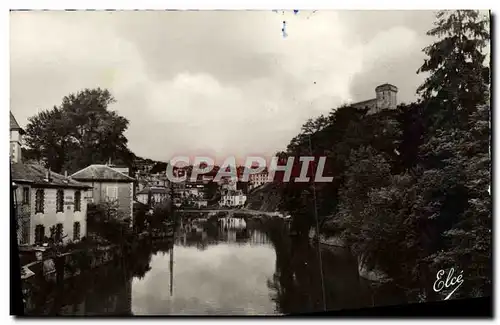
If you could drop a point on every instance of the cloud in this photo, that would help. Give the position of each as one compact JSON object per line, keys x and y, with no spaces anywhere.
{"x":213,"y":82}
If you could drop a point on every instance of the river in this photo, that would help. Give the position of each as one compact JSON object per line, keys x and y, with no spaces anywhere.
{"x":216,"y":269}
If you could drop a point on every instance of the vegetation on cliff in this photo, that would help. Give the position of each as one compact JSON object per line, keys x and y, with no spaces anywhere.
{"x":410,"y":190}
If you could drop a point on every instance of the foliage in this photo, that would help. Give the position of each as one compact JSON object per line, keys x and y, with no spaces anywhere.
{"x":410,"y":191}
{"x":161,"y":213}
{"x":79,"y":132}
{"x":106,"y":221}
{"x":458,"y":78}
{"x":140,"y":211}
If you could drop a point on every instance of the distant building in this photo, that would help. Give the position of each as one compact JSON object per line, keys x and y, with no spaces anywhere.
{"x":232,"y":199}
{"x":386,"y":98}
{"x":229,"y":184}
{"x":195,"y":189}
{"x":152,"y":180}
{"x":143,"y":167}
{"x":256,"y":180}
{"x":106,"y":184}
{"x":153,"y":196}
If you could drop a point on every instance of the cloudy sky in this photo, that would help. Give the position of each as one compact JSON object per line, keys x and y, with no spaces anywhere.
{"x":217,"y":83}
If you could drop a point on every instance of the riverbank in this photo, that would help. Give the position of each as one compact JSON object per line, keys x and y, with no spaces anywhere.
{"x":59,"y":262}
{"x":375,"y":275}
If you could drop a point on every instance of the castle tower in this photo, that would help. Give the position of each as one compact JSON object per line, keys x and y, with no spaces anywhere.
{"x":15,"y":140}
{"x":386,"y":96}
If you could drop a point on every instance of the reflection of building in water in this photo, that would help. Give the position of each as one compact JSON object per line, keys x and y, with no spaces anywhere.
{"x":172,"y":271}
{"x":233,"y":223}
{"x":229,"y":230}
{"x":259,"y":238}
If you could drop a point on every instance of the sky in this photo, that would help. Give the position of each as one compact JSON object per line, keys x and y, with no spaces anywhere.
{"x":214,"y":83}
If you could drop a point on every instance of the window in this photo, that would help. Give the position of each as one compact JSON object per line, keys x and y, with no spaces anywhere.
{"x":26,"y":195}
{"x":112,"y":193}
{"x":60,"y":201}
{"x":76,"y":231}
{"x":78,"y":200}
{"x":39,"y":234}
{"x":59,"y":232}
{"x":39,"y":201}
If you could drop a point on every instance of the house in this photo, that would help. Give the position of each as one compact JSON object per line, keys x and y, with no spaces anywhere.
{"x":256,"y":180}
{"x":195,"y":189}
{"x":232,"y":198}
{"x":122,"y":169}
{"x":152,"y":180}
{"x":157,"y":194}
{"x":386,"y":98}
{"x":229,"y":184}
{"x":108,"y":185}
{"x":46,"y":200}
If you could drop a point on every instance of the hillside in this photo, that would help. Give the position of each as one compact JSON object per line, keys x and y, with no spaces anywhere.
{"x":265,"y":198}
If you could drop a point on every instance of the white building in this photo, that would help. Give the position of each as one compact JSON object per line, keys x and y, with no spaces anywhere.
{"x":46,"y":200}
{"x":233,"y":199}
{"x":229,"y":184}
{"x":256,"y":180}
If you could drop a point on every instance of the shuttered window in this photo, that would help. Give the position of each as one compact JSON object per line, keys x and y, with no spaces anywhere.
{"x":26,"y":195}
{"x":78,"y":200}
{"x":60,"y":201}
{"x":112,"y":192}
{"x":39,"y":201}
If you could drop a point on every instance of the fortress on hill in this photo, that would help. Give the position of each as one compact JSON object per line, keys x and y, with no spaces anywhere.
{"x":386,"y":98}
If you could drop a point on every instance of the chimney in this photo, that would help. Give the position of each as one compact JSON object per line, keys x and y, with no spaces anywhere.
{"x":65,"y":174}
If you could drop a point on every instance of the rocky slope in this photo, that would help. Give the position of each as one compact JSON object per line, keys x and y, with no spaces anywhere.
{"x":265,"y":198}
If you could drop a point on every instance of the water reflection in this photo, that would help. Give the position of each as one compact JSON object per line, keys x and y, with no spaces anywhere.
{"x":296,"y":284}
{"x":223,"y":267}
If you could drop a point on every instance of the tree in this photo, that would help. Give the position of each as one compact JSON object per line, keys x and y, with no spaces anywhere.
{"x":80,"y":132}
{"x":161,"y":213}
{"x":458,"y":78}
{"x":140,"y":211}
{"x":454,"y":204}
{"x":465,"y":232}
{"x":46,"y":138}
{"x":107,"y":221}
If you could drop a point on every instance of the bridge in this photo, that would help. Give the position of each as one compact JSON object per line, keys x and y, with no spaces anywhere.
{"x":231,"y":212}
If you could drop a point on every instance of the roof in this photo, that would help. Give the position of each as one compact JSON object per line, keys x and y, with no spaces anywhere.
{"x":154,"y":190}
{"x":386,"y":86}
{"x":364,"y":103}
{"x":36,"y":174}
{"x":13,"y":123}
{"x":101,"y":173}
